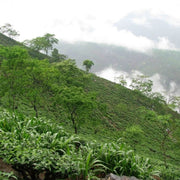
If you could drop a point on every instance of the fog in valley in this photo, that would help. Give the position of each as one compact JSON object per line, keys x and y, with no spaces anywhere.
{"x":158,"y":86}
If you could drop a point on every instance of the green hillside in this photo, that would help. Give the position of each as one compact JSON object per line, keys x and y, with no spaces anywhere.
{"x":6,"y":41}
{"x":42,"y":94}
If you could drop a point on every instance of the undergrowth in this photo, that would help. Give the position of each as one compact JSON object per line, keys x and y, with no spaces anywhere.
{"x":36,"y":145}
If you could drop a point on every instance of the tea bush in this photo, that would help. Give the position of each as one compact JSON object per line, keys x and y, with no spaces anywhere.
{"x":36,"y":145}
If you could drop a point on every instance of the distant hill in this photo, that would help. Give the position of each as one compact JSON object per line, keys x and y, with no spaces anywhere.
{"x":164,"y":62}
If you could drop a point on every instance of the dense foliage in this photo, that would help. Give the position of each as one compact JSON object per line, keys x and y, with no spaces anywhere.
{"x":6,"y":41}
{"x":36,"y":145}
{"x":44,"y":43}
{"x":88,"y":64}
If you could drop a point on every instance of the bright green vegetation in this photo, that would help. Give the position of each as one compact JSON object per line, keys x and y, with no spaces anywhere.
{"x":88,"y":64}
{"x":6,"y":41}
{"x":108,"y":120}
{"x":44,"y":43}
{"x":6,"y":176}
{"x":36,"y":145}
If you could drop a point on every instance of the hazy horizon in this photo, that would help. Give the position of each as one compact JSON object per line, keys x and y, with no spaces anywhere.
{"x":138,"y":25}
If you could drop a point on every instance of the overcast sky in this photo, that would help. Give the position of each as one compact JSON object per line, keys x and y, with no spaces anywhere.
{"x":90,"y":20}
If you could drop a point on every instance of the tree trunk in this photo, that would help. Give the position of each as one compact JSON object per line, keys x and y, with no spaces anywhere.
{"x":74,"y":123}
{"x":35,"y":109}
{"x":163,"y":148}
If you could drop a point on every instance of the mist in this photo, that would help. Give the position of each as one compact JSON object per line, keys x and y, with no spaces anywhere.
{"x":113,"y":75}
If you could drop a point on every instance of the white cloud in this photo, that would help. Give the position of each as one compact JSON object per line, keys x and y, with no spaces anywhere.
{"x":164,"y":43}
{"x":103,"y":33}
{"x":112,"y":75}
{"x":85,"y":20}
{"x":141,"y":21}
{"x":111,"y":35}
{"x":157,"y":84}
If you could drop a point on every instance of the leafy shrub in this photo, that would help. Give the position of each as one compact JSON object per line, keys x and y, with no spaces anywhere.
{"x":36,"y":145}
{"x":122,"y":161}
{"x":6,"y":176}
{"x":170,"y":173}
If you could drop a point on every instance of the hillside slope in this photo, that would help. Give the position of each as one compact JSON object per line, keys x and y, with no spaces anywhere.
{"x":40,"y":85}
{"x":6,"y":41}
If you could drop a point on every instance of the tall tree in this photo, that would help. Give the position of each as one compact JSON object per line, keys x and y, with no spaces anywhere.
{"x":56,"y":57}
{"x":142,"y":84}
{"x":174,"y":102}
{"x":166,"y":127}
{"x":8,"y":30}
{"x":44,"y":43}
{"x":78,"y":104}
{"x":50,"y":40}
{"x":88,"y":64}
{"x":39,"y":75}
{"x":24,"y":79}
{"x":157,"y":97}
{"x":36,"y":44}
{"x":71,"y":75}
{"x":12,"y":75}
{"x":122,"y":80}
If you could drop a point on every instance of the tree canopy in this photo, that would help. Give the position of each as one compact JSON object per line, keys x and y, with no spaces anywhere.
{"x":56,"y":57}
{"x":44,"y":43}
{"x":88,"y":64}
{"x":8,"y":30}
{"x":78,"y":104}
